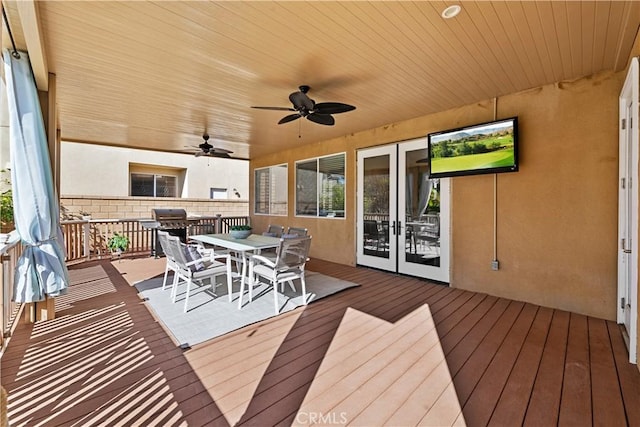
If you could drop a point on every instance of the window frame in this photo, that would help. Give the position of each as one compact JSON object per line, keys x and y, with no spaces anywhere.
{"x":319,"y":187}
{"x":218,"y":190}
{"x":155,"y":188}
{"x":268,"y":203}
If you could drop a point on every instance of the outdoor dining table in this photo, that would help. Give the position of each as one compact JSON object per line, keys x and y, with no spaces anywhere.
{"x":252,"y":244}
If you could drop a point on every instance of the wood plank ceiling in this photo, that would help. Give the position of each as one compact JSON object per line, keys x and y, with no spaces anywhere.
{"x":155,"y":75}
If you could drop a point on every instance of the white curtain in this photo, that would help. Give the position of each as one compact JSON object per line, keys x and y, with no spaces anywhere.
{"x":425,"y":193}
{"x":41,"y":270}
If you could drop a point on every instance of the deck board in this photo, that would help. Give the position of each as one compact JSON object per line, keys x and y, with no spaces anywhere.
{"x":481,"y":403}
{"x":544,"y":405}
{"x":512,"y":405}
{"x":394,"y":351}
{"x":607,"y":399}
{"x":576,"y":387}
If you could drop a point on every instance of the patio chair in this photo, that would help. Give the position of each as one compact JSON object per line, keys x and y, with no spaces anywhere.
{"x":374,"y":237}
{"x":192,"y":267}
{"x":163,"y":238}
{"x":295,"y":232}
{"x":429,"y":235}
{"x":274,"y":231}
{"x":213,"y":252}
{"x":292,"y":255}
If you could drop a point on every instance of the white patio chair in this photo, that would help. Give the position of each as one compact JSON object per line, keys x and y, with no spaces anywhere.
{"x":170,"y":259}
{"x":217,"y":252}
{"x":192,"y":267}
{"x":289,"y":265}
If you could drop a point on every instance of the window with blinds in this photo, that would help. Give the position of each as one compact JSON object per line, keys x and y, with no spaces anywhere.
{"x":320,"y":185}
{"x":151,"y":185}
{"x":270,"y":189}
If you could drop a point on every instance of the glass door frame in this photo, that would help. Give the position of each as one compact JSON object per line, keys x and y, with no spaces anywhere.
{"x":441,"y":272}
{"x":388,"y":264}
{"x":397,"y":260}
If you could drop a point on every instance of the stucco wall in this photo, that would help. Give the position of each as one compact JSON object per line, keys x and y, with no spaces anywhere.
{"x":96,"y":170}
{"x":557,"y":216}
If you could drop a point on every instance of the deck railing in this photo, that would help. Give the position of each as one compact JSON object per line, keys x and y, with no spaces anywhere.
{"x":86,"y":240}
{"x":10,"y":251}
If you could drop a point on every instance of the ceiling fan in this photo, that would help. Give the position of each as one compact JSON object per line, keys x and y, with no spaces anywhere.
{"x":207,"y":149}
{"x":306,"y":107}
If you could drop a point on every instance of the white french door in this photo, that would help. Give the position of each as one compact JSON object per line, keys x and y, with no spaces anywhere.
{"x":403,"y":217}
{"x":377,"y":176}
{"x":628,"y":210}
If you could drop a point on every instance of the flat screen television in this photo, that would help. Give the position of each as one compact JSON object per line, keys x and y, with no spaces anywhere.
{"x":490,"y":147}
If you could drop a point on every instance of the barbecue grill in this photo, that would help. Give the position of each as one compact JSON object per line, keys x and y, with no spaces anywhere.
{"x":173,"y":221}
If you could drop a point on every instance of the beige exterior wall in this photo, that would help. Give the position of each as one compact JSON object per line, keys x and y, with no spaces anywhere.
{"x":140,"y":207}
{"x":96,"y":170}
{"x":557,"y":216}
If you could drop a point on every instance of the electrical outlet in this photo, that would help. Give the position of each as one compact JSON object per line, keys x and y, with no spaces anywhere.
{"x":495,"y":265}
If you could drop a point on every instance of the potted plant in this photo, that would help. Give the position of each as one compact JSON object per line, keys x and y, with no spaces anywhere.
{"x":240,"y":231}
{"x":118,"y":243}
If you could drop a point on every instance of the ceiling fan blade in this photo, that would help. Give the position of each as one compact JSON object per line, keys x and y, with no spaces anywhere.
{"x":221,"y":155}
{"x":322,"y":119}
{"x":332,"y":108}
{"x":221,"y":151}
{"x":289,"y":118}
{"x":275,"y":108}
{"x":199,"y":153}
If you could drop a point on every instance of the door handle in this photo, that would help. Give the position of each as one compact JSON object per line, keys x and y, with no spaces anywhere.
{"x":393,"y":227}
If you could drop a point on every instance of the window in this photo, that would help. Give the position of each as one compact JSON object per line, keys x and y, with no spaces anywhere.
{"x":153,"y":185}
{"x":320,"y":186}
{"x":270,"y":185}
{"x":218,"y":193}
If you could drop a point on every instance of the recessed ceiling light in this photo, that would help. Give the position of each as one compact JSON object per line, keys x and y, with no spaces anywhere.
{"x":451,"y":11}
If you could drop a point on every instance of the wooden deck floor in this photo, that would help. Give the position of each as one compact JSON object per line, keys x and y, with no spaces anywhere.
{"x":394,"y":351}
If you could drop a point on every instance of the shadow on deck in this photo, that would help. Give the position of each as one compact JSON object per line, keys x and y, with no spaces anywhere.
{"x":395,"y":351}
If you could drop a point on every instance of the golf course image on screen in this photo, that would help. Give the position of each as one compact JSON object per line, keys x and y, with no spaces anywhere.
{"x":482,"y":148}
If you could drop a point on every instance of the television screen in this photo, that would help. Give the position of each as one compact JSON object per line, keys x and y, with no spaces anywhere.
{"x":483,"y":148}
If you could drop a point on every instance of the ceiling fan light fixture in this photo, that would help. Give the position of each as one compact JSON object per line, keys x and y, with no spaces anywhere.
{"x":451,"y":11}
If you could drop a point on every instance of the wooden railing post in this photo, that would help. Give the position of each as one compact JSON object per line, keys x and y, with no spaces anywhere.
{"x":4,"y":297}
{"x":86,"y":239}
{"x":218,"y":224}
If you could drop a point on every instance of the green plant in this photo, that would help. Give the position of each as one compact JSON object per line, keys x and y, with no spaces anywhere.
{"x":118,"y":243}
{"x":240,"y":227}
{"x":6,"y":207}
{"x":6,"y":200}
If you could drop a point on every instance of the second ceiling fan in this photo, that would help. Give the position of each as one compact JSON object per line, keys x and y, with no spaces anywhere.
{"x":206,"y":149}
{"x":306,"y":107}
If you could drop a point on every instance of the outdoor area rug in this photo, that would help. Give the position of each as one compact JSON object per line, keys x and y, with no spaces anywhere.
{"x":211,"y":314}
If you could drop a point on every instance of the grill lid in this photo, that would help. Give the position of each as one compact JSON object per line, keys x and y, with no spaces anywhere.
{"x":169,"y":214}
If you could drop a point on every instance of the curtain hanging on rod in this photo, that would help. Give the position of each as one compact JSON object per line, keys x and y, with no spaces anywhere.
{"x":41,"y":270}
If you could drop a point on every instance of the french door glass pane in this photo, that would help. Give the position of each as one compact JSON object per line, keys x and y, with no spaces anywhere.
{"x":376,"y":206}
{"x":422,"y":222}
